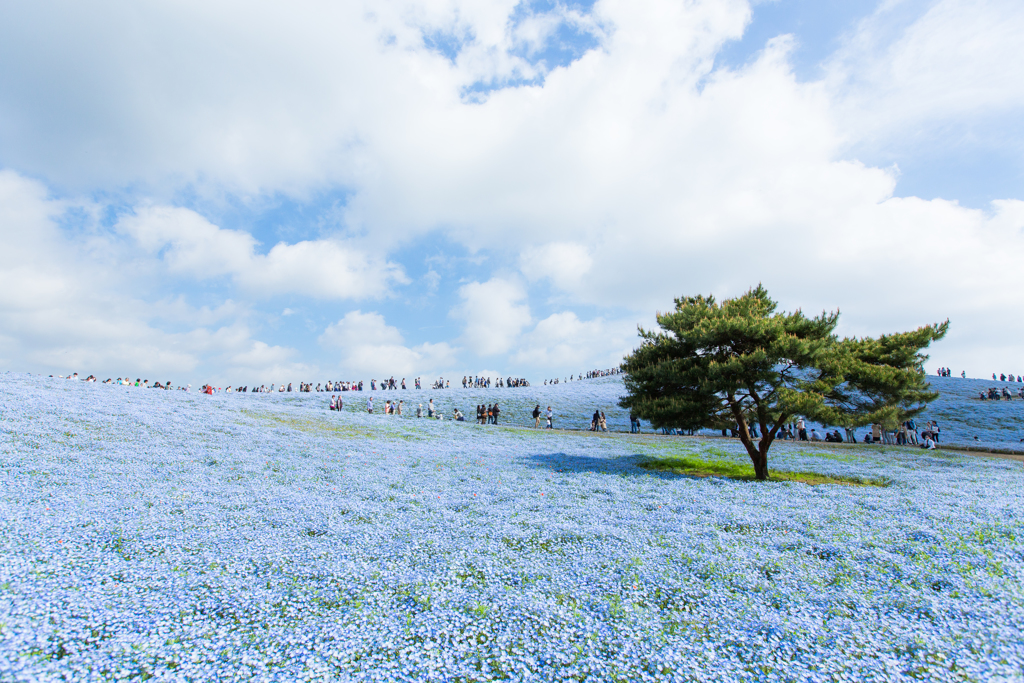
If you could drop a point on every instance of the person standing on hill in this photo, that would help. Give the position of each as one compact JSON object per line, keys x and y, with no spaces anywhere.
{"x":430,"y":408}
{"x":549,"y":415}
{"x":369,"y":405}
{"x":495,"y":411}
{"x":536,"y":416}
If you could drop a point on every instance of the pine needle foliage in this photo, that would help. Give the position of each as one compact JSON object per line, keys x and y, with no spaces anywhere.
{"x":740,"y":363}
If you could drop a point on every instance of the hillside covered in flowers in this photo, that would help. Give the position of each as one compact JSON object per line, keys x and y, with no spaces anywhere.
{"x":181,"y":536}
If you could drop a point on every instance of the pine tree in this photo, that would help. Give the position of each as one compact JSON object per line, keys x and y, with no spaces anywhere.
{"x":741,"y":363}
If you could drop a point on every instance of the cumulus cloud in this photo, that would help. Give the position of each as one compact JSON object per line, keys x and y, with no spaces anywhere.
{"x":369,"y":345}
{"x":562,"y":340}
{"x":564,"y":263}
{"x":493,"y":315}
{"x":260,"y":362}
{"x":953,"y":61}
{"x":631,"y":173}
{"x":323,"y":269}
{"x":68,"y":305}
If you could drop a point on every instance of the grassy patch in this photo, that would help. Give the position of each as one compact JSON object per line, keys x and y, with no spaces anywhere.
{"x":308,"y":425}
{"x":728,"y":469}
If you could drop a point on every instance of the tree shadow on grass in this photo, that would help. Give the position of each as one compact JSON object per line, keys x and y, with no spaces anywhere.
{"x":639,"y":465}
{"x":623,"y":465}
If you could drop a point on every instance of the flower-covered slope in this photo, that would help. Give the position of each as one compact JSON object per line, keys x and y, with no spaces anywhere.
{"x":959,"y":412}
{"x":182,"y":536}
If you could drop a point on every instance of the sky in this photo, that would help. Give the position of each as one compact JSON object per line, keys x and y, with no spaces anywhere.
{"x":254,"y":192}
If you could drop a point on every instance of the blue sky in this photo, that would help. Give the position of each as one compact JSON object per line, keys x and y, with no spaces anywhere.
{"x":205,"y":193}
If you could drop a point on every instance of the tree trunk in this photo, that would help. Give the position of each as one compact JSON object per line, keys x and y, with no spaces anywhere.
{"x":761,"y":464}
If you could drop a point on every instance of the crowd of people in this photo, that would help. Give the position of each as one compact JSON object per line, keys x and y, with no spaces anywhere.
{"x":124,"y":381}
{"x":1001,"y":377}
{"x":996,"y":394}
{"x":906,"y":434}
{"x":903,"y":435}
{"x":476,"y":382}
{"x":389,"y":384}
{"x":485,"y":414}
{"x":127,"y":382}
{"x":591,"y":374}
{"x":601,"y":373}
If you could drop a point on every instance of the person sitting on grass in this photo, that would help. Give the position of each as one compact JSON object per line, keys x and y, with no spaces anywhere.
{"x":928,"y":443}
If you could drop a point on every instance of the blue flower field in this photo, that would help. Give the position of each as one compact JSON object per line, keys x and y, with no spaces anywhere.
{"x":236,"y":537}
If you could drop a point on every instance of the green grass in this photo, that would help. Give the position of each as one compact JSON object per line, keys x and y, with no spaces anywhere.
{"x":728,"y":469}
{"x":309,"y":425}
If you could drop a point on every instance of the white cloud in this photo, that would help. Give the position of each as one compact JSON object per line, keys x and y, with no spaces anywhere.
{"x":959,"y":59}
{"x":358,"y":328}
{"x":369,"y":345}
{"x":493,"y":315}
{"x":190,"y":243}
{"x":325,"y":269}
{"x":564,"y":263}
{"x":563,"y":341}
{"x":262,"y":363}
{"x":651,"y":173}
{"x":69,"y":305}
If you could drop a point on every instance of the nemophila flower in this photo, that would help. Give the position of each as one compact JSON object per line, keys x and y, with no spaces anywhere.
{"x":253,"y":537}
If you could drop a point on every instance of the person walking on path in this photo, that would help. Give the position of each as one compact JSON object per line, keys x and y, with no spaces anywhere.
{"x":549,"y":415}
{"x":536,"y":416}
